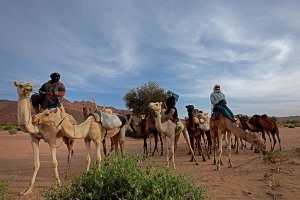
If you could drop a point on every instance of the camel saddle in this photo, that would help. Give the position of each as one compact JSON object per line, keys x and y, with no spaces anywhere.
{"x":110,"y":121}
{"x":215,"y":115}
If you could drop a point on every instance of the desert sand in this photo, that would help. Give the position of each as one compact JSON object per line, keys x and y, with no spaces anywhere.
{"x":246,"y":180}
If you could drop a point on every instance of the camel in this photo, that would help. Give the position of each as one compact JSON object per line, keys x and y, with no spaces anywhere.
{"x":266,"y":125}
{"x":221,"y":126}
{"x":146,"y":126}
{"x":192,"y":125}
{"x":243,"y":123}
{"x":89,"y":130}
{"x":88,"y":112}
{"x":205,"y":129}
{"x":167,"y":129}
{"x":24,"y":90}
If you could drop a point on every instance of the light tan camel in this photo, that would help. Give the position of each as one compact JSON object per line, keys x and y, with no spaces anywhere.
{"x":89,"y":130}
{"x":24,"y":90}
{"x":88,"y":112}
{"x":221,"y":126}
{"x":167,"y":129}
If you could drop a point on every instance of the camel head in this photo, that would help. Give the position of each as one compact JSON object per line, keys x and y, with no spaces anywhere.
{"x":24,"y":89}
{"x":155,"y":107}
{"x":257,"y":141}
{"x":53,"y":117}
{"x":190,"y":108}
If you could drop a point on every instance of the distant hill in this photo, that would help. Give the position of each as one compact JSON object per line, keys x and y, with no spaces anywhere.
{"x":8,"y":110}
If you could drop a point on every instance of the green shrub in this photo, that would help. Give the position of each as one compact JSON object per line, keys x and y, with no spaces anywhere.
{"x":124,"y":178}
{"x":12,"y":131}
{"x":5,"y":192}
{"x":274,"y":157}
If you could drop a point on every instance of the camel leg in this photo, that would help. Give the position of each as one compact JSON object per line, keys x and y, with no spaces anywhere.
{"x":98,"y":151}
{"x":150,"y":142}
{"x":69,"y":143}
{"x":115,"y":140}
{"x":274,"y":141}
{"x":111,"y":145}
{"x":206,"y":145}
{"x":272,"y":147}
{"x":36,"y":151}
{"x":279,"y":140}
{"x":52,"y":145}
{"x":198,"y":139}
{"x":122,"y":137}
{"x":88,"y":156}
{"x":220,"y":139}
{"x":164,"y":137}
{"x":186,"y":136}
{"x":155,"y":143}
{"x":145,"y":146}
{"x":237,"y":144}
{"x":173,"y":149}
{"x":229,"y":150}
{"x":161,"y":145}
{"x":214,"y":143}
{"x":104,"y":146}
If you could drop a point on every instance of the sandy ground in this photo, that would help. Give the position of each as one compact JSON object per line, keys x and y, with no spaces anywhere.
{"x":246,"y":180}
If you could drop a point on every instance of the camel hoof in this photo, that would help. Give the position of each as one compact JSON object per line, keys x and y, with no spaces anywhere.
{"x":26,"y":192}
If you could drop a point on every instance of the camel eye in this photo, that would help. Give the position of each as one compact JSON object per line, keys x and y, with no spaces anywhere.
{"x":21,"y":86}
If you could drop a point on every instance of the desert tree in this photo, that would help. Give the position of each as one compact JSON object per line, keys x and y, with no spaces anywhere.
{"x":138,"y":99}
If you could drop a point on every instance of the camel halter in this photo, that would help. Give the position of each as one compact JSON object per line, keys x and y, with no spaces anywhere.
{"x":61,"y":121}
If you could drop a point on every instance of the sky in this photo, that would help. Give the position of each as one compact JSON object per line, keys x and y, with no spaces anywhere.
{"x":104,"y":48}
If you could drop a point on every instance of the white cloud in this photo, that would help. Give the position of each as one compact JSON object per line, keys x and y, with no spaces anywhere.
{"x":104,"y":48}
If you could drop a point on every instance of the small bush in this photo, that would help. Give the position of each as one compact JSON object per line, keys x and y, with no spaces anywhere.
{"x":123,"y":178}
{"x":12,"y":131}
{"x":5,"y":192}
{"x":274,"y":157}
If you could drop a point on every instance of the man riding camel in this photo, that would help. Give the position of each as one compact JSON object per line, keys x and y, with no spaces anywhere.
{"x":50,"y":94}
{"x":217,"y":99}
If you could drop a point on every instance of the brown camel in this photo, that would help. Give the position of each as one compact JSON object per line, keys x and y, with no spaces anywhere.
{"x":192,"y":125}
{"x":24,"y":90}
{"x":89,"y":130}
{"x":205,"y":130}
{"x":167,"y":129}
{"x":266,"y":125}
{"x":145,"y":125}
{"x":243,"y":122}
{"x":221,"y":126}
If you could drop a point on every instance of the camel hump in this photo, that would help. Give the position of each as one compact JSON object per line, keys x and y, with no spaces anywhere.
{"x":109,"y":121}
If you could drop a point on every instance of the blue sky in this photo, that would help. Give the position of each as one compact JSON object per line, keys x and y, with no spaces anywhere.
{"x":104,"y":48}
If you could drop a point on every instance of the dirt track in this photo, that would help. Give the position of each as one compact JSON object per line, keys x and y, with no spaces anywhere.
{"x":244,"y":181}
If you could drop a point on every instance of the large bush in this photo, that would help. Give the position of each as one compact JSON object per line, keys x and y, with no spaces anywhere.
{"x":124,"y":178}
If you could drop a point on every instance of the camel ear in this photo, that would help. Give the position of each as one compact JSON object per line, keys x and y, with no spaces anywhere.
{"x":160,"y":103}
{"x":16,"y":83}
